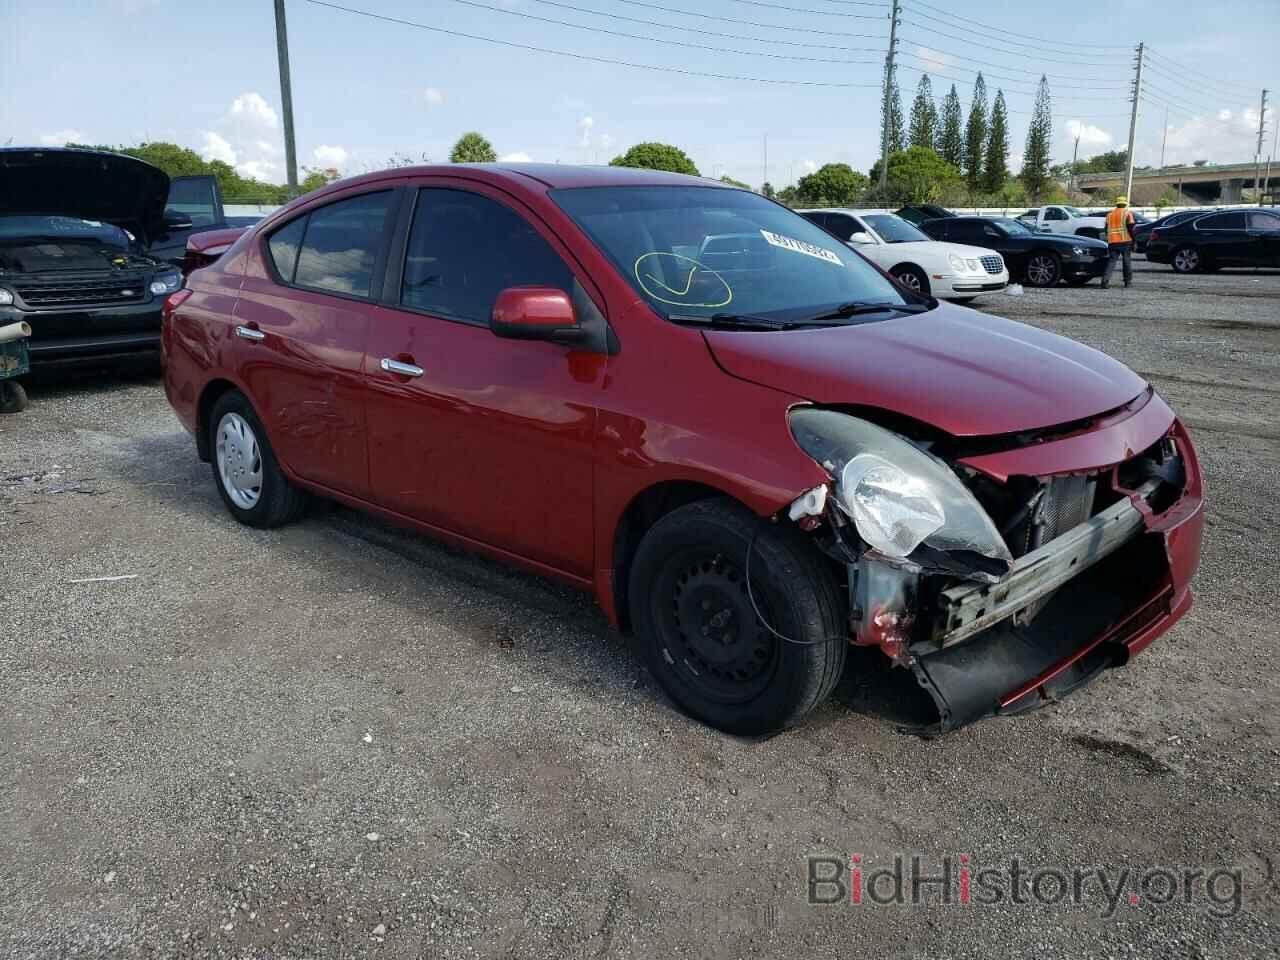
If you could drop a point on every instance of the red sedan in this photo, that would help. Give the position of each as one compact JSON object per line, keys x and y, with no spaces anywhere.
{"x":748,"y":442}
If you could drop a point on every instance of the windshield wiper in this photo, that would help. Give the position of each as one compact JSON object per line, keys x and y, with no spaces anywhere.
{"x":857,"y":308}
{"x":729,"y":321}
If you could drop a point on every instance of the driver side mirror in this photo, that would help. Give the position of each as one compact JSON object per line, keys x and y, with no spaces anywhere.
{"x":860,"y":236}
{"x":535,"y":313}
{"x":176,"y":221}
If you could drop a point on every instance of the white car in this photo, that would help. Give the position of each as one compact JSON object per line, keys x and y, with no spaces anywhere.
{"x":949,"y":271}
{"x":1059,"y":218}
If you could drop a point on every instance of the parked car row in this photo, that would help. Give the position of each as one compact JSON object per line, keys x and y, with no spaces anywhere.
{"x":1209,"y":241}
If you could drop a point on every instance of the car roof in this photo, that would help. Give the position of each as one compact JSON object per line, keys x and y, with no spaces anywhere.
{"x":550,"y":175}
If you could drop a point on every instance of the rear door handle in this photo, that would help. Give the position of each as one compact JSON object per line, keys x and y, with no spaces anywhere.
{"x":248,"y":333}
{"x":404,"y":369}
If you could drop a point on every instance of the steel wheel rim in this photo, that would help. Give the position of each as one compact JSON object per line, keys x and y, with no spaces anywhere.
{"x":1040,"y":271}
{"x":1186,"y":260}
{"x":239,"y":461}
{"x":712,"y":636}
{"x":910,"y":281}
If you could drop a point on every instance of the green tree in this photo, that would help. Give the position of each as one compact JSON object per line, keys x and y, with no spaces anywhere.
{"x":789,"y":194}
{"x":1113,"y":161}
{"x":951,"y":139}
{"x":725,"y":178}
{"x":1035,"y":158}
{"x":472,"y":148}
{"x":767,"y":190}
{"x":179,"y":161}
{"x":833,"y":184}
{"x":975,"y":137}
{"x":891,"y":115}
{"x":995,"y":170}
{"x":918,"y":175}
{"x":656,"y":156}
{"x":923,"y":131}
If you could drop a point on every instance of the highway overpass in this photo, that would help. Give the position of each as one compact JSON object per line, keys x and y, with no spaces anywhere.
{"x":1221,"y":183}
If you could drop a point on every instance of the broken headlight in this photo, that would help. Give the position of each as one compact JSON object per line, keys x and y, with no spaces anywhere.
{"x":897,"y":495}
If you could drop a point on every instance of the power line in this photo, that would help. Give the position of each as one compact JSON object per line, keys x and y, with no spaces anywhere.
{"x":1225,"y":83}
{"x":1036,"y":74}
{"x":583,"y":56}
{"x":1021,"y":93}
{"x":709,"y":33}
{"x":1038,"y":57}
{"x":1197,"y":86}
{"x":810,"y":10}
{"x":659,"y":40}
{"x":1033,"y":86}
{"x":749,"y":23}
{"x":1179,"y":98}
{"x":988,"y":29}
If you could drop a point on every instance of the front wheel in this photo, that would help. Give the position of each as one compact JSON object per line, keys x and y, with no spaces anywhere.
{"x":912,"y":278}
{"x":13,"y":397}
{"x":245,"y":469}
{"x":747,"y":657}
{"x":1187,"y":260}
{"x":1043,"y":269}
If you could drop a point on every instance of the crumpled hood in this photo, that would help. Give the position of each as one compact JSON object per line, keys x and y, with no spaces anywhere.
{"x":87,"y":184}
{"x":963,"y":372}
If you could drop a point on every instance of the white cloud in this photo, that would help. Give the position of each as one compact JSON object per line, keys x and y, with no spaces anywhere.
{"x":330,"y":156}
{"x":254,"y":107}
{"x":605,"y":141}
{"x":257,"y":169}
{"x":216,"y":147}
{"x":584,"y":130}
{"x":518,"y":157}
{"x":267,"y":147}
{"x":810,"y":166}
{"x":1224,"y":114}
{"x":62,"y":137}
{"x":433,"y":96}
{"x":933,"y":59}
{"x":1090,"y":136}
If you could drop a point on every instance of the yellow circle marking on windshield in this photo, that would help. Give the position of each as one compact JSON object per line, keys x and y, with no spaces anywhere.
{"x":664,"y":292}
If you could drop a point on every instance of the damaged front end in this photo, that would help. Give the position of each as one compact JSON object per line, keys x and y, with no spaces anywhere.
{"x":1001,"y":589}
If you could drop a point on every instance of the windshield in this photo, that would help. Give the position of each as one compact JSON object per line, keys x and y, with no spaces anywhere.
{"x":59,"y":228}
{"x":707,"y":251}
{"x":892,"y":228}
{"x":1074,"y":211}
{"x":1014,"y":228}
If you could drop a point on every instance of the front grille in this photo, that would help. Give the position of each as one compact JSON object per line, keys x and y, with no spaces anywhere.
{"x":83,"y":292}
{"x":993,"y":264}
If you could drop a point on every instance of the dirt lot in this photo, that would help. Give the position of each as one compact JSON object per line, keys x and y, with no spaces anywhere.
{"x":337,"y":739}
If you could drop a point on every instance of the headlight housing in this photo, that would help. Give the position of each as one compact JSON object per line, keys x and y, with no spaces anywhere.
{"x":897,"y":495}
{"x":1078,"y":251}
{"x":957,"y":263}
{"x":166,"y":282}
{"x":6,"y":297}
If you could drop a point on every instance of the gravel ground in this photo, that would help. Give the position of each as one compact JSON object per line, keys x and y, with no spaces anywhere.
{"x":336,"y":739}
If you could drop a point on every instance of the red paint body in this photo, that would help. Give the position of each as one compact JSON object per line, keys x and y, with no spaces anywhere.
{"x":533,"y":451}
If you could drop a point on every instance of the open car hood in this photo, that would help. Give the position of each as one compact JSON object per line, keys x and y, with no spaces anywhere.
{"x":87,"y":184}
{"x":963,"y":372}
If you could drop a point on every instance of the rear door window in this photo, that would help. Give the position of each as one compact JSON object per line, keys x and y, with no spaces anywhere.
{"x":465,"y":248}
{"x":1222,"y":221}
{"x":283,"y":246}
{"x":195,"y":198}
{"x":1264,"y":221}
{"x":341,"y":244}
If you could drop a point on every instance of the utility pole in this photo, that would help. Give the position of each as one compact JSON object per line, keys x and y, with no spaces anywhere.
{"x":1133,"y":121}
{"x":766,"y":162}
{"x":1257,"y":161}
{"x":1075,"y":152}
{"x":286,"y":99}
{"x":888,"y":84}
{"x":1164,"y":138}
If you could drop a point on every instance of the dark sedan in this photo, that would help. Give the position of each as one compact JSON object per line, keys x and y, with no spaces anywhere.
{"x":1038,"y":259}
{"x":1224,"y":238}
{"x":1142,"y":229}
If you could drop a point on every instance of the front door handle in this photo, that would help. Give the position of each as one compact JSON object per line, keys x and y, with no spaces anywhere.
{"x":404,"y":369}
{"x":248,"y":333}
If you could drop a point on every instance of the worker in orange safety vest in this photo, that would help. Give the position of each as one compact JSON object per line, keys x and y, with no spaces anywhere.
{"x":1119,"y":241}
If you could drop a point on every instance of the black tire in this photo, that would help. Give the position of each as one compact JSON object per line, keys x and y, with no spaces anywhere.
{"x":703,"y":640}
{"x":911,"y":277}
{"x":1044,"y":269}
{"x":964,"y":301}
{"x":278,"y":502}
{"x":1187,"y":259}
{"x":13,"y":397}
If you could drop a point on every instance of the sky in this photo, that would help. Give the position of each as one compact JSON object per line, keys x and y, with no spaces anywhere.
{"x":365,"y":90}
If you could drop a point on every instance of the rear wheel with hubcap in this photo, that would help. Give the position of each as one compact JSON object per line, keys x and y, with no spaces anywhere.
{"x":1043,"y":269}
{"x":709,"y":636}
{"x":249,"y":479}
{"x":1187,"y":260}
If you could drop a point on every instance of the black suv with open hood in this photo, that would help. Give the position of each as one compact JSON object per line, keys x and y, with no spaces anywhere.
{"x":75,"y":228}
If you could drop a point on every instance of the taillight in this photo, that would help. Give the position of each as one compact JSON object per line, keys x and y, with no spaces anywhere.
{"x":174,"y":300}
